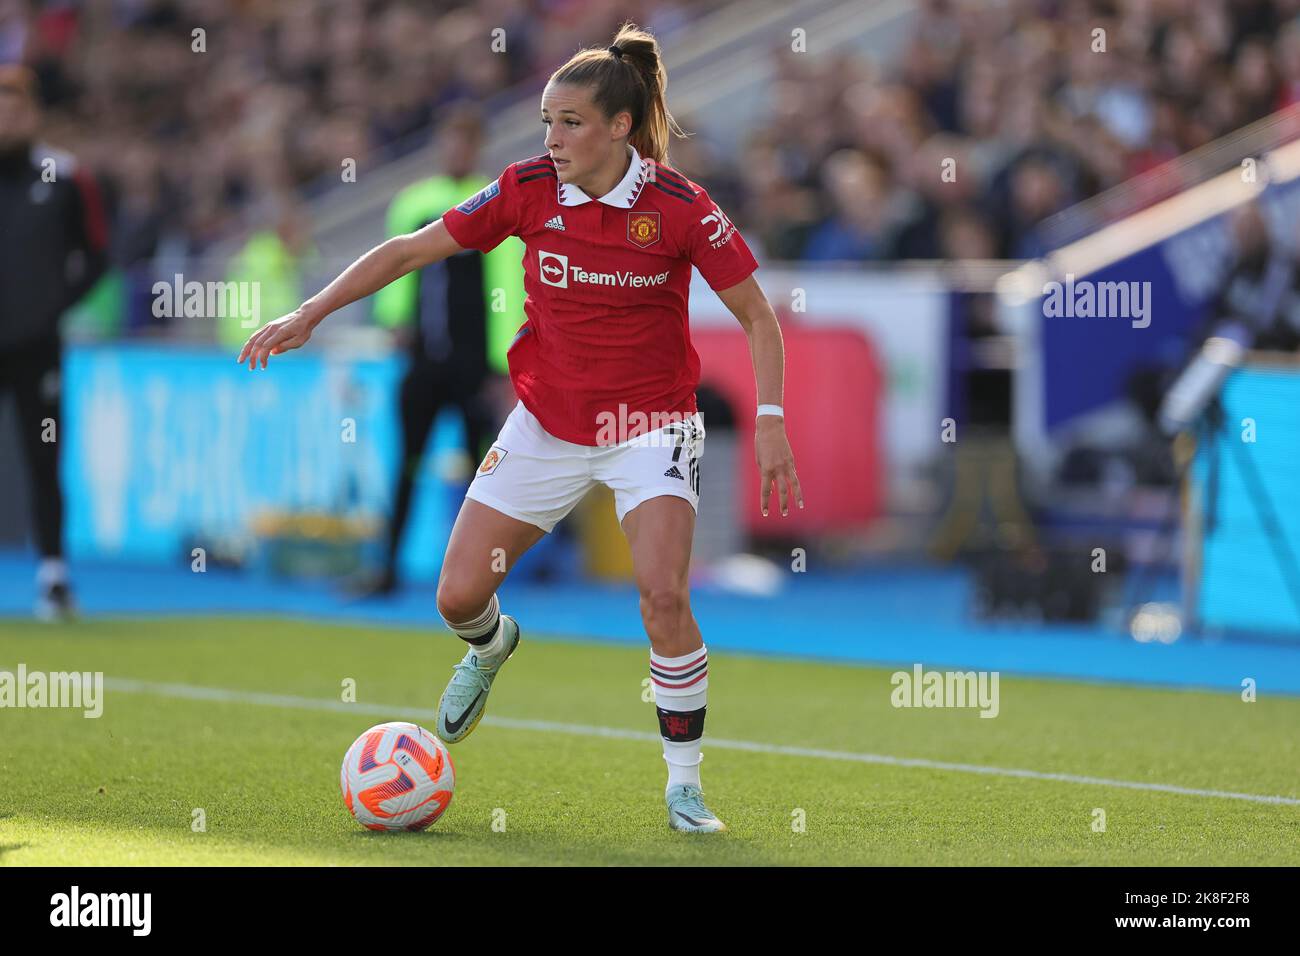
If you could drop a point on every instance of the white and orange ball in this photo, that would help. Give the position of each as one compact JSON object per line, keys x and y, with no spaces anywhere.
{"x":397,"y":776}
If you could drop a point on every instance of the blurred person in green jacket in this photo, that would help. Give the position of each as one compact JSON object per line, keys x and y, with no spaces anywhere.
{"x":272,"y":259}
{"x":455,"y":319}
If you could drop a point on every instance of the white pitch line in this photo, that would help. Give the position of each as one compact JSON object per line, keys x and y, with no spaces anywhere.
{"x":224,"y":695}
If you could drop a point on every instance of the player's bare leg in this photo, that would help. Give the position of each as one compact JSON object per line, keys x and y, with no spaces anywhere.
{"x":484,"y":546}
{"x":660,"y":532}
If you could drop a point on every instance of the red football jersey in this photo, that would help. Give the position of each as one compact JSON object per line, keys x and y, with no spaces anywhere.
{"x":606,"y":283}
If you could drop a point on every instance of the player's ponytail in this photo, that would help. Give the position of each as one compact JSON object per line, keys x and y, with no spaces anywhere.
{"x":628,"y":75}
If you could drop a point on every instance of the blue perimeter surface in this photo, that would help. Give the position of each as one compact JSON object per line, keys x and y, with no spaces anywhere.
{"x":881,"y":616}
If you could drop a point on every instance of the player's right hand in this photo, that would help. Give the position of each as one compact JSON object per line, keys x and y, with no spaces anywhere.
{"x":285,"y":333}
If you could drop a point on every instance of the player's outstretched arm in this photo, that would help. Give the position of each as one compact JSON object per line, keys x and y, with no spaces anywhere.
{"x":749,"y":305}
{"x":381,"y":265}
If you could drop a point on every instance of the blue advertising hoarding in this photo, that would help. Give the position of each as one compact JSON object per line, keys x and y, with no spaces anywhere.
{"x":165,"y":444}
{"x":1245,"y":483}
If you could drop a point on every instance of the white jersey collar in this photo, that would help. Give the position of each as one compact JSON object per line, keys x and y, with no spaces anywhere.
{"x":621,"y":196}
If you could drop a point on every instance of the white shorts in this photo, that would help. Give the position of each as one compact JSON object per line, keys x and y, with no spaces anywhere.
{"x":531,"y":475}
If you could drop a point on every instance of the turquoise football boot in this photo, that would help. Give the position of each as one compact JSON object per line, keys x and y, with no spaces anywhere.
{"x":687,"y":812}
{"x":464,"y":700}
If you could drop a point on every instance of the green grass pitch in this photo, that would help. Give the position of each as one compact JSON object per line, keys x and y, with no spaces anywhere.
{"x":122,"y":789}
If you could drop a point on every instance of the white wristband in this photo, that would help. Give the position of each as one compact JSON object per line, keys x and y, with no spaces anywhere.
{"x":770,"y":410}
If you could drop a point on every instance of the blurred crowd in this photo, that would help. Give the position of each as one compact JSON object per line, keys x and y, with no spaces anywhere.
{"x":1020,"y":102}
{"x":189,"y":130}
{"x":995,"y":115}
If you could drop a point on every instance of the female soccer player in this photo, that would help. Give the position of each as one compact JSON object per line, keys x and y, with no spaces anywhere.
{"x":605,"y":374}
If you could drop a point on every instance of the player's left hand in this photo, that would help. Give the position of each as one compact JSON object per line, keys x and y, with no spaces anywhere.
{"x":776,"y":464}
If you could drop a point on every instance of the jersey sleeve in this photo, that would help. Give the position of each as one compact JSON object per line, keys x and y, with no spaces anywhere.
{"x":716,"y":247}
{"x":485,"y":219}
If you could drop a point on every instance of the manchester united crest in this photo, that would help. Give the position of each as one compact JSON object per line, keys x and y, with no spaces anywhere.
{"x":643,"y":228}
{"x":494,"y":456}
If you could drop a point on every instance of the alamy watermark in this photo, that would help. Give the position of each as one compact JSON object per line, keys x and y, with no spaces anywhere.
{"x":1087,"y":299}
{"x":75,"y":908}
{"x":921,"y":688}
{"x":75,"y":690}
{"x":621,"y":426}
{"x":179,"y":299}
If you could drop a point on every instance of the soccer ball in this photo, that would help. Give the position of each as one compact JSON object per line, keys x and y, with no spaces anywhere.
{"x":397,"y":776}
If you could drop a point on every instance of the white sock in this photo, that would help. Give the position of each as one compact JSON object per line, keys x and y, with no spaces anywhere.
{"x":681,"y":695}
{"x":51,"y":571}
{"x":488,"y":623}
{"x":683,"y":763}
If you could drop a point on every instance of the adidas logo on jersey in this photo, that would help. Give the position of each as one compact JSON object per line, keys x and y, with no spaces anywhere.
{"x":555,"y":222}
{"x":674,"y":473}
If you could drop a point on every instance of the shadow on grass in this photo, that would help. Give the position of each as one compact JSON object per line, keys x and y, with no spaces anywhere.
{"x":442,"y":836}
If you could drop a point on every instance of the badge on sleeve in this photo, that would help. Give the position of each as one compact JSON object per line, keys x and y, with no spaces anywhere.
{"x":488,"y":192}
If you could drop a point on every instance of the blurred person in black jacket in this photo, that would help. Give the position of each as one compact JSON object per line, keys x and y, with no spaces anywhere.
{"x":1261,"y":289}
{"x":52,"y":250}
